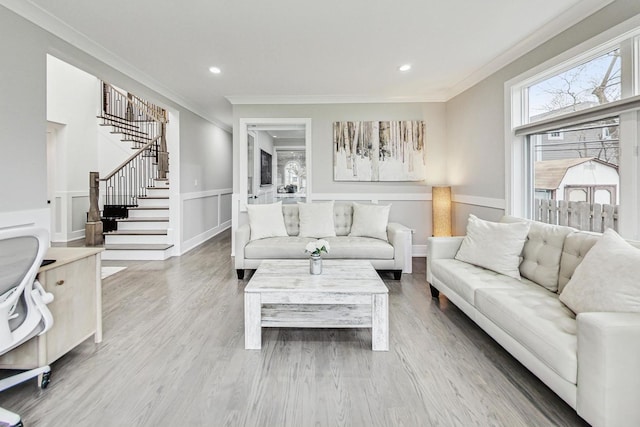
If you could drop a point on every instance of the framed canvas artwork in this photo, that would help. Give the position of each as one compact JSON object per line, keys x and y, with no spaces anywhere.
{"x":379,"y":151}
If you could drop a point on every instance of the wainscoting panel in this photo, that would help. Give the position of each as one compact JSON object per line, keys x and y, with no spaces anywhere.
{"x":204,"y":215}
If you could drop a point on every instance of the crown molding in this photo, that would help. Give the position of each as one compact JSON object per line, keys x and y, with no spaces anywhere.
{"x":62,"y":30}
{"x":330,"y":99}
{"x":581,"y":10}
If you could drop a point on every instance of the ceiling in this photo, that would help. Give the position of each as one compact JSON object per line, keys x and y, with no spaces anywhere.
{"x":297,"y":52}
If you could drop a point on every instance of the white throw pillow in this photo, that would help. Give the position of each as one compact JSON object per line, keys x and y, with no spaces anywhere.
{"x":370,"y":221}
{"x":495,"y":246}
{"x":316,"y":220}
{"x":266,"y":221}
{"x":606,"y":279}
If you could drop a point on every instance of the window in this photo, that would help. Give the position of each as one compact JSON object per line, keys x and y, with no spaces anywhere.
{"x":594,"y":82}
{"x":555,"y":136}
{"x":572,"y":141}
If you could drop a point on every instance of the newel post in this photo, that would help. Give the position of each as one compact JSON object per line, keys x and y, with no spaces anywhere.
{"x":93,"y":227}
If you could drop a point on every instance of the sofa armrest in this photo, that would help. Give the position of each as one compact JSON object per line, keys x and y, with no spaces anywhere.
{"x":243,"y":235}
{"x":609,"y":368}
{"x":441,"y":248}
{"x":398,"y":235}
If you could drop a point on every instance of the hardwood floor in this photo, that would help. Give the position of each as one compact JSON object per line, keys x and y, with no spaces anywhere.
{"x":173,"y":354}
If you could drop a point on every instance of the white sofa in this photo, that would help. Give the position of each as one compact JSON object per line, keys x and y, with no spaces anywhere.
{"x":591,"y":361}
{"x":384,"y":255}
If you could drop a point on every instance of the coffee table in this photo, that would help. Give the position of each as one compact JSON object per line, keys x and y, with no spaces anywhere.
{"x":348,"y":294}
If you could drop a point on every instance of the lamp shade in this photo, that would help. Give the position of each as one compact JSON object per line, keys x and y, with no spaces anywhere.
{"x":441,"y":211}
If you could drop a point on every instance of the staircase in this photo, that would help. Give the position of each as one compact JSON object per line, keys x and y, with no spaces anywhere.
{"x":136,"y":208}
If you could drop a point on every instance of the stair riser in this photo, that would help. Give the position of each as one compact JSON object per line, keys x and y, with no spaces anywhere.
{"x":120,"y":255}
{"x":116,"y":239}
{"x":159,"y":183}
{"x":153,"y":203}
{"x":158,"y":192}
{"x":143,"y":225}
{"x":148,"y":213}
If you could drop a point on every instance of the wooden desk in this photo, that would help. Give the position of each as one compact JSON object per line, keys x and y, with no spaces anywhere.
{"x":75,"y":282}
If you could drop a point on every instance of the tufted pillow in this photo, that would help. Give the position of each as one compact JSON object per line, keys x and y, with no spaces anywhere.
{"x":316,"y":220}
{"x":576,"y":246}
{"x":266,"y":221}
{"x":607,"y":279}
{"x":370,"y":221}
{"x":342,"y":218}
{"x":493,"y":245}
{"x":291,"y":219}
{"x":542,"y":252}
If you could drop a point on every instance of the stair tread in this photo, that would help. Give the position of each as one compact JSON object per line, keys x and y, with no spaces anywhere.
{"x":145,"y":219}
{"x":138,"y":247}
{"x":137,"y":232}
{"x":154,"y":197}
{"x":158,"y":188}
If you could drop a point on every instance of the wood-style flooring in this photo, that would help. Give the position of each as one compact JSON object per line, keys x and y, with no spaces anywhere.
{"x":173,"y":355}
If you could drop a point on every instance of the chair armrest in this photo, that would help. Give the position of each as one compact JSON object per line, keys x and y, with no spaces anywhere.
{"x":398,"y":235}
{"x":609,"y":368}
{"x":441,"y":248}
{"x":243,"y":236}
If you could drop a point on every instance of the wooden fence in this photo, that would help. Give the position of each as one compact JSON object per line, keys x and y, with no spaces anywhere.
{"x":580,"y":215}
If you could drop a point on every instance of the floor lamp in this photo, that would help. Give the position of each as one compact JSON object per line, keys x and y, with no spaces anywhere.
{"x":441,"y":211}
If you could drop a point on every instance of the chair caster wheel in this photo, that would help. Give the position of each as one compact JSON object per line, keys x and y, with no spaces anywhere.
{"x":46,"y":379}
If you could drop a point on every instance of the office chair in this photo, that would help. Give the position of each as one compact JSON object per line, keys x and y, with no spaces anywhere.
{"x":23,"y":302}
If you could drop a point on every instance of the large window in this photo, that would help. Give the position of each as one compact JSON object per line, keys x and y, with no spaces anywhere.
{"x":573,"y":137}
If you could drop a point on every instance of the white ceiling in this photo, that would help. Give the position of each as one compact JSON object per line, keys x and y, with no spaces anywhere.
{"x":300,"y":51}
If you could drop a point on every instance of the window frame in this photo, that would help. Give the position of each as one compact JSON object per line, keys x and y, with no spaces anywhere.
{"x":519,"y":152}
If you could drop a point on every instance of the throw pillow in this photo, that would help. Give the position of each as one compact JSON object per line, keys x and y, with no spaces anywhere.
{"x":370,"y":221}
{"x":316,"y":220}
{"x":266,"y":221}
{"x":606,"y":279}
{"x":542,"y":252}
{"x":493,"y":245}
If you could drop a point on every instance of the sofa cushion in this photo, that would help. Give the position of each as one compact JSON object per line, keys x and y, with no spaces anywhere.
{"x":316,"y":219}
{"x":277,"y":248}
{"x":607,"y":279}
{"x":464,"y":278}
{"x":266,"y":221}
{"x":493,"y":245}
{"x":345,"y":247}
{"x":536,"y":319}
{"x":542,"y":252}
{"x":576,"y":246}
{"x":370,"y":221}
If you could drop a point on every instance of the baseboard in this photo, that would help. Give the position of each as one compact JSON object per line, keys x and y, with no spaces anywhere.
{"x":193,"y":242}
{"x":419,"y":251}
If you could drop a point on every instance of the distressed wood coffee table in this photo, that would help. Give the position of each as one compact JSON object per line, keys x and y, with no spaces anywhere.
{"x":348,"y":294}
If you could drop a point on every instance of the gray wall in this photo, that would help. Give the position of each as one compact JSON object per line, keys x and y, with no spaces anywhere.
{"x":205,"y":155}
{"x":205,"y":149}
{"x":414,"y":214}
{"x":475,"y":118}
{"x":23,"y":164}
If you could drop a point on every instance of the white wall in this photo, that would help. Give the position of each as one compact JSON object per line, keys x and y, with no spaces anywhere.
{"x":410,"y":200}
{"x":475,"y":121}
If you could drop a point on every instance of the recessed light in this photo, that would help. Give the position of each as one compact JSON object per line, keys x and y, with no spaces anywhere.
{"x":405,"y":67}
{"x":215,"y":70}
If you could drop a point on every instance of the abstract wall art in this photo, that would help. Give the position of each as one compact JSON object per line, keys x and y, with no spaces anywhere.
{"x":379,"y":151}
